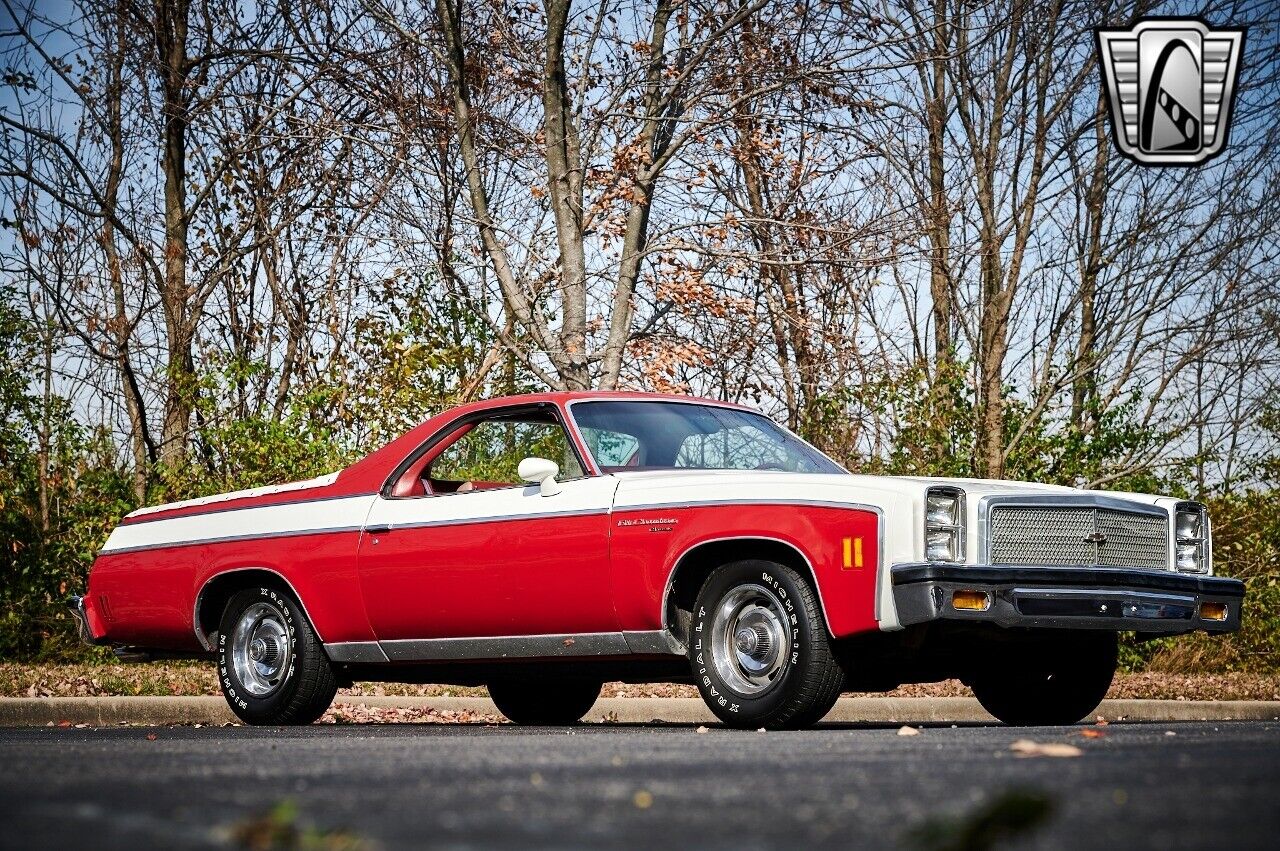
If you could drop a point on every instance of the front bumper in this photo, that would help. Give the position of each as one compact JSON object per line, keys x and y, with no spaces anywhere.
{"x":1068,"y":597}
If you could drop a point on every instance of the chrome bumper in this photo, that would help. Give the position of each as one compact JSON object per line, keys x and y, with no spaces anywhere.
{"x":1068,"y":597}
{"x":76,"y":605}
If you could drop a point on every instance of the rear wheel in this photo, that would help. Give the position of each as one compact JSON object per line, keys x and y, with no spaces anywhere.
{"x":544,"y":702}
{"x":1054,"y":681}
{"x":759,"y":649}
{"x":271,"y":665}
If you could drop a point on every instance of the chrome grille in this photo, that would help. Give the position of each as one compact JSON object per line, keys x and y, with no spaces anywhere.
{"x":1059,"y":535}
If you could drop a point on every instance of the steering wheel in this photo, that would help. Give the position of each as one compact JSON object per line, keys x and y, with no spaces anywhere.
{"x":771,"y":465}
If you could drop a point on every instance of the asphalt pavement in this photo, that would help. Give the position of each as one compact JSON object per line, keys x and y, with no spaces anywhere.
{"x":1172,"y":785}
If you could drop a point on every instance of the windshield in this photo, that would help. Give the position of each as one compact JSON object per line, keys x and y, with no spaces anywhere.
{"x":625,"y":436}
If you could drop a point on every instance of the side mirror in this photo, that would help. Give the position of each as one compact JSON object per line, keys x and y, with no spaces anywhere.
{"x":542,"y":472}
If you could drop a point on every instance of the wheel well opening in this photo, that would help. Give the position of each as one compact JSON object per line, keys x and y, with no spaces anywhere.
{"x":212,"y":600}
{"x":696,"y":565}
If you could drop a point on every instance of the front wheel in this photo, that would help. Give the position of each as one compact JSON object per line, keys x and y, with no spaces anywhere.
{"x":759,"y":648}
{"x":1052,"y":682}
{"x":544,"y":702}
{"x":271,"y":665}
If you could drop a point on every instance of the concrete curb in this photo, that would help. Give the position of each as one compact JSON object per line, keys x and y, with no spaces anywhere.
{"x":107,"y":711}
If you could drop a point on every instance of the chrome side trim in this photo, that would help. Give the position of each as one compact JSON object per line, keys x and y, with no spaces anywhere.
{"x":500,"y":518}
{"x":195,"y":612}
{"x":654,"y":641}
{"x":507,"y":647}
{"x":637,"y":643}
{"x":355,"y":652}
{"x":1111,"y":503}
{"x":713,"y":503}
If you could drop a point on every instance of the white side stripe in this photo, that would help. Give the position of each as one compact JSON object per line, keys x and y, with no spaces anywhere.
{"x":268,"y":521}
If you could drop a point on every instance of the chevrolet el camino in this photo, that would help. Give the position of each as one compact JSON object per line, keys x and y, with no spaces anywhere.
{"x":542,"y":545}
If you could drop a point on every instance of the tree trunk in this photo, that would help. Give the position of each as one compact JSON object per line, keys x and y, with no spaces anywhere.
{"x":1085,"y":384}
{"x":938,"y":213}
{"x":141,"y":444}
{"x":655,"y":137}
{"x":171,"y":49}
{"x":564,"y":185}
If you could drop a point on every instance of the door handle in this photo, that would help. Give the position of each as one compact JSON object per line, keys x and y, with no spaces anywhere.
{"x":378,"y":529}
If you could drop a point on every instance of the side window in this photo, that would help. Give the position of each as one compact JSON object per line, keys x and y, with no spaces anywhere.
{"x":612,"y":448}
{"x":490,"y":453}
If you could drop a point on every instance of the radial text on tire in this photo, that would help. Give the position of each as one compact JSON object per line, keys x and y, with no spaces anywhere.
{"x":271,"y":666}
{"x":759,"y":648}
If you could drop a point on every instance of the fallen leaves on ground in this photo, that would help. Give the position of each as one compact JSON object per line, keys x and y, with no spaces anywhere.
{"x":1026,"y":747}
{"x":358,"y":713}
{"x":18,"y":679}
{"x":908,"y":731}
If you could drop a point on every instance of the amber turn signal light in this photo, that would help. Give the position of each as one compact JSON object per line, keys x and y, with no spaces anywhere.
{"x":1213,"y":611}
{"x":971,"y":601}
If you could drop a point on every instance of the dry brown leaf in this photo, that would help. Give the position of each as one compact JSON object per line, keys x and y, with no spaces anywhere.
{"x":908,"y":731}
{"x":1026,"y":747}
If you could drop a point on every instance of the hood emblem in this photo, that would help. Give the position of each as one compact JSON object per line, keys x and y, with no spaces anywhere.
{"x":1096,"y":538}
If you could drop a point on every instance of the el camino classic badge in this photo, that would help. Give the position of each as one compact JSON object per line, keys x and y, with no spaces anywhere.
{"x":1170,"y":83}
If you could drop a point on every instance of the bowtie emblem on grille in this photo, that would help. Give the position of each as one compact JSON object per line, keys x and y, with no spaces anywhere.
{"x":1096,"y":538}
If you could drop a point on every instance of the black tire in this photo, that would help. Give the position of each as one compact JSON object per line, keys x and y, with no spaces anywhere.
{"x":1054,"y":681}
{"x":547,"y":702}
{"x":772,"y":664}
{"x":295,"y":684}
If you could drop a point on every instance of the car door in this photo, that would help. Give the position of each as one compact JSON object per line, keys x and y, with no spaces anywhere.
{"x":474,"y":552}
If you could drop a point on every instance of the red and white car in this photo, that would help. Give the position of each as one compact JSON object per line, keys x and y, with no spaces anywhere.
{"x":542,"y":545}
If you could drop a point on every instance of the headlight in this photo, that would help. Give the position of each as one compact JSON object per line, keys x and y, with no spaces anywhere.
{"x":944,"y":524}
{"x":1191,"y":525}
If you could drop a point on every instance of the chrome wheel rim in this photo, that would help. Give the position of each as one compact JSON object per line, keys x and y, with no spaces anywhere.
{"x":750,"y":641}
{"x":261,"y":651}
